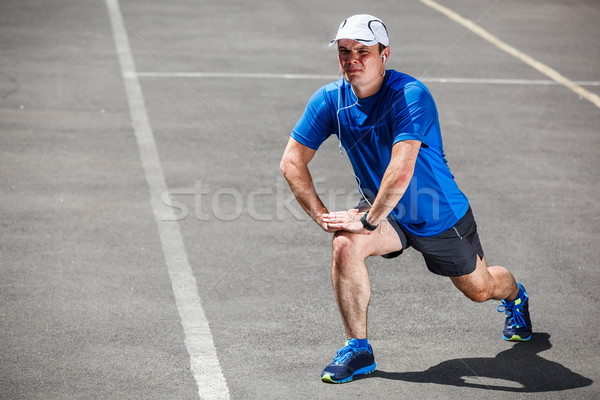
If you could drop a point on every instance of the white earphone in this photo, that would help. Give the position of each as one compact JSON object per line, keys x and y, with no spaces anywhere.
{"x":383,"y":57}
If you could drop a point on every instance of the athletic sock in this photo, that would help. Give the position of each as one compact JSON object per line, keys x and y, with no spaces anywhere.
{"x":363,"y":343}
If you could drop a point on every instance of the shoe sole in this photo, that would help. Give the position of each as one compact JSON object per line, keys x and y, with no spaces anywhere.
{"x":363,"y":371}
{"x":516,"y":338}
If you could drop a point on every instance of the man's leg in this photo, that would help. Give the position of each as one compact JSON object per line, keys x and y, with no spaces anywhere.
{"x":487,"y":283}
{"x":350,"y":277}
{"x":353,"y":291}
{"x":351,"y":284}
{"x":497,"y":283}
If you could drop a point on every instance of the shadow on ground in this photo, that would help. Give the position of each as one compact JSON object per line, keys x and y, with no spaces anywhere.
{"x":519,"y":369}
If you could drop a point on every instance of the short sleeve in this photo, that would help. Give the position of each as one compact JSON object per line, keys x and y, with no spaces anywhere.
{"x":316,"y":124}
{"x":415,"y":115}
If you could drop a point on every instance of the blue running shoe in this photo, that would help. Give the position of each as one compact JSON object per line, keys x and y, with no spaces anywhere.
{"x":350,"y":361}
{"x":517,"y":326}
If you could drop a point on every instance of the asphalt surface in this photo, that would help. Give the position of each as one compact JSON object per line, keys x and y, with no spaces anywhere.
{"x":88,"y":310}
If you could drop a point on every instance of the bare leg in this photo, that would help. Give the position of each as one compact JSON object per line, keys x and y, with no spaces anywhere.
{"x":487,"y":283}
{"x":352,"y":289}
{"x":350,"y":276}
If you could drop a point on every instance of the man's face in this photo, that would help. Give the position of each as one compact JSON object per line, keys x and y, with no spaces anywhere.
{"x":361,"y":65}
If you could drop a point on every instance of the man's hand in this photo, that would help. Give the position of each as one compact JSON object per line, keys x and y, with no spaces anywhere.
{"x":346,"y":221}
{"x":320,"y":220}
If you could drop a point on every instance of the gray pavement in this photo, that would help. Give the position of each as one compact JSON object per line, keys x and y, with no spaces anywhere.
{"x":88,"y":310}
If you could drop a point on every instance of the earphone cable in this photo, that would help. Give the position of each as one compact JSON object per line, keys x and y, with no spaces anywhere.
{"x":339,"y":136}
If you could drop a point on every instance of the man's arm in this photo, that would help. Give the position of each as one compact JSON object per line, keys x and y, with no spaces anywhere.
{"x":294,"y":165}
{"x":395,"y":180}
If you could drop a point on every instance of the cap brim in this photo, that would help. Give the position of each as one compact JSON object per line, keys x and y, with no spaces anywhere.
{"x":369,"y":43}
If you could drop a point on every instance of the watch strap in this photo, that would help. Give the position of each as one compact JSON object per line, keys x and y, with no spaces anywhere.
{"x":366,"y":223}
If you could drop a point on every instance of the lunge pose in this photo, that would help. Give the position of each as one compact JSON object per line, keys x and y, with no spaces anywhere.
{"x":387,"y":122}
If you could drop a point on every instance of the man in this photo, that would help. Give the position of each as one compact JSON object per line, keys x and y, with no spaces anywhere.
{"x":387,"y":123}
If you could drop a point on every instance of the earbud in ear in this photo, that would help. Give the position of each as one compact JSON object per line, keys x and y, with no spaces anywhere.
{"x":383,"y":58}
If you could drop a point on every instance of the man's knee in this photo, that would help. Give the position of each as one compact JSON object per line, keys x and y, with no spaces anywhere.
{"x":478,"y":285}
{"x":346,"y":246}
{"x":478,"y":296}
{"x":475,"y":290}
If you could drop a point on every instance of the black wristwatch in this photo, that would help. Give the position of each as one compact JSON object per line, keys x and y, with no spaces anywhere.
{"x":366,"y":223}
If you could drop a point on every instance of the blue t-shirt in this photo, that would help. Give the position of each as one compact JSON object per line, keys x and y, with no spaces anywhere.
{"x":402,"y":109}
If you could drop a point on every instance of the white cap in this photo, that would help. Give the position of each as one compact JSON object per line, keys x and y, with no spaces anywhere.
{"x":363,"y":28}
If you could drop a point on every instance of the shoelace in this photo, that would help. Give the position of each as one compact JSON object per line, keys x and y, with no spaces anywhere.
{"x":343,"y":354}
{"x":513,"y":312}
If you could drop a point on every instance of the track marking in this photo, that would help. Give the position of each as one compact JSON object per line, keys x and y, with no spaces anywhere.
{"x":249,"y":75}
{"x":532,"y":62}
{"x":501,"y":81}
{"x":460,"y":39}
{"x":198,"y":338}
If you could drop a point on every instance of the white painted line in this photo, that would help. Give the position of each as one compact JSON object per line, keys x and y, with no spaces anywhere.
{"x":500,"y":81}
{"x":249,"y":75}
{"x":532,"y":62}
{"x":198,"y":338}
{"x":230,"y":75}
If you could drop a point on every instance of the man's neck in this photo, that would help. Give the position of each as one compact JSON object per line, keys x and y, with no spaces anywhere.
{"x":362,"y":92}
